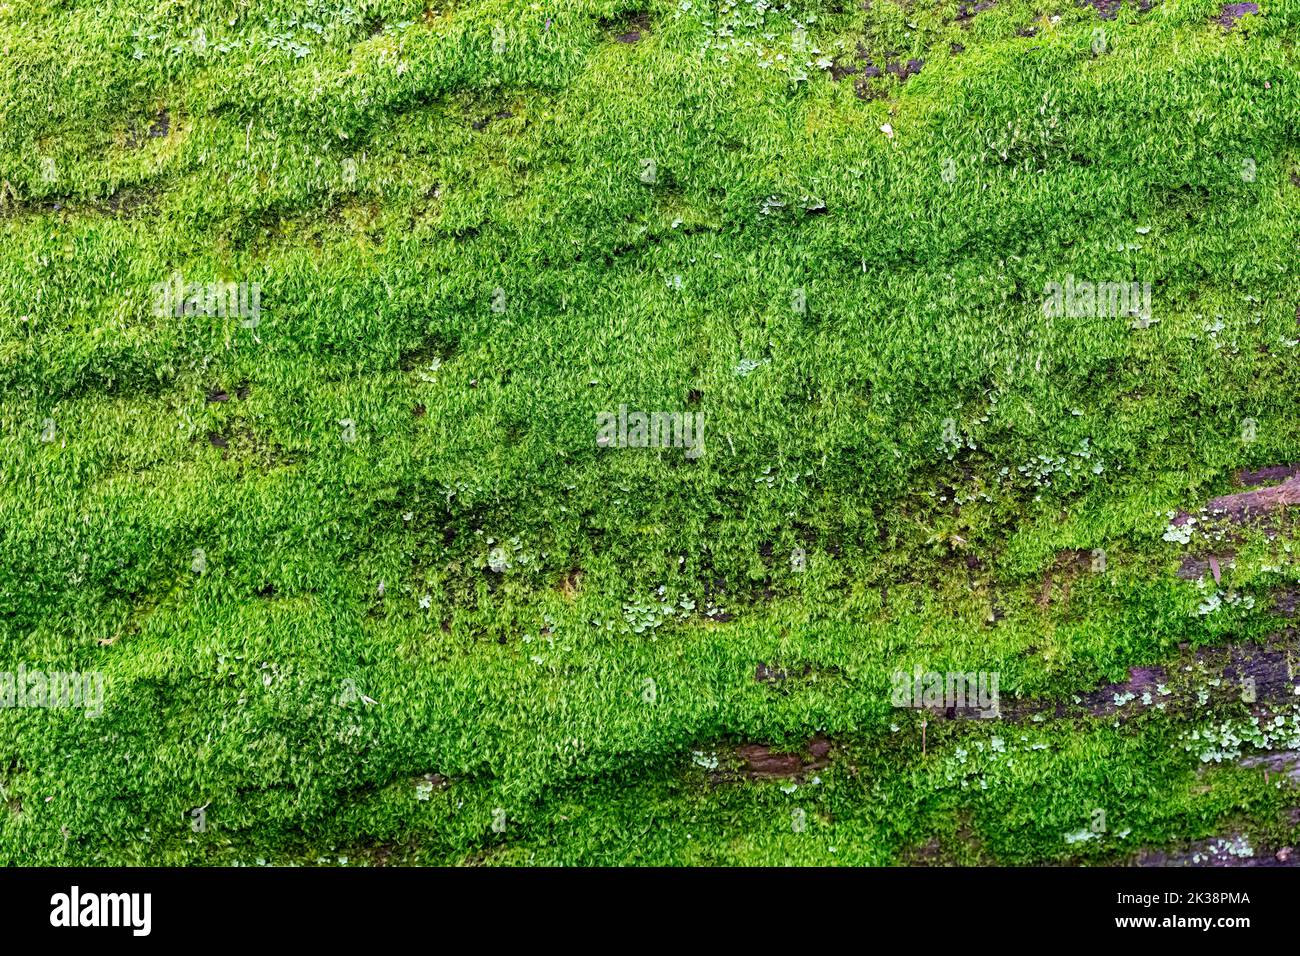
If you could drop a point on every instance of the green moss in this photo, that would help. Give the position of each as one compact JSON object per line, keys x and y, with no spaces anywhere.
{"x":685,"y":222}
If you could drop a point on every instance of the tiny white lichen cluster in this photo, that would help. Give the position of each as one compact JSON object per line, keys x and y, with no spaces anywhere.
{"x":646,"y":616}
{"x":1226,"y":739}
{"x":742,"y":28}
{"x":1238,"y":846}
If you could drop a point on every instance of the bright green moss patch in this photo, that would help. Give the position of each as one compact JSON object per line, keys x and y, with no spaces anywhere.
{"x":361,"y":582}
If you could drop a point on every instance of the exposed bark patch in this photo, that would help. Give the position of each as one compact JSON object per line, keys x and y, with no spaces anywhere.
{"x":482,"y":124}
{"x":570,"y":584}
{"x":1283,"y":762}
{"x":1231,"y":850}
{"x":904,"y":70}
{"x":1267,"y":476}
{"x":1232,"y":12}
{"x":769,"y":675}
{"x":1106,"y":9}
{"x":1244,"y":506}
{"x":761,"y":762}
{"x":965,"y":849}
{"x":1286,"y":600}
{"x":217,"y":394}
{"x":1235,"y":672}
{"x":1250,"y":504}
{"x":1256,"y":673}
{"x":1066,"y":566}
{"x":1197,"y":566}
{"x":627,"y":27}
{"x":864,"y":91}
{"x":967,"y":12}
{"x":158,"y":128}
{"x":161,"y":126}
{"x":840,"y":70}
